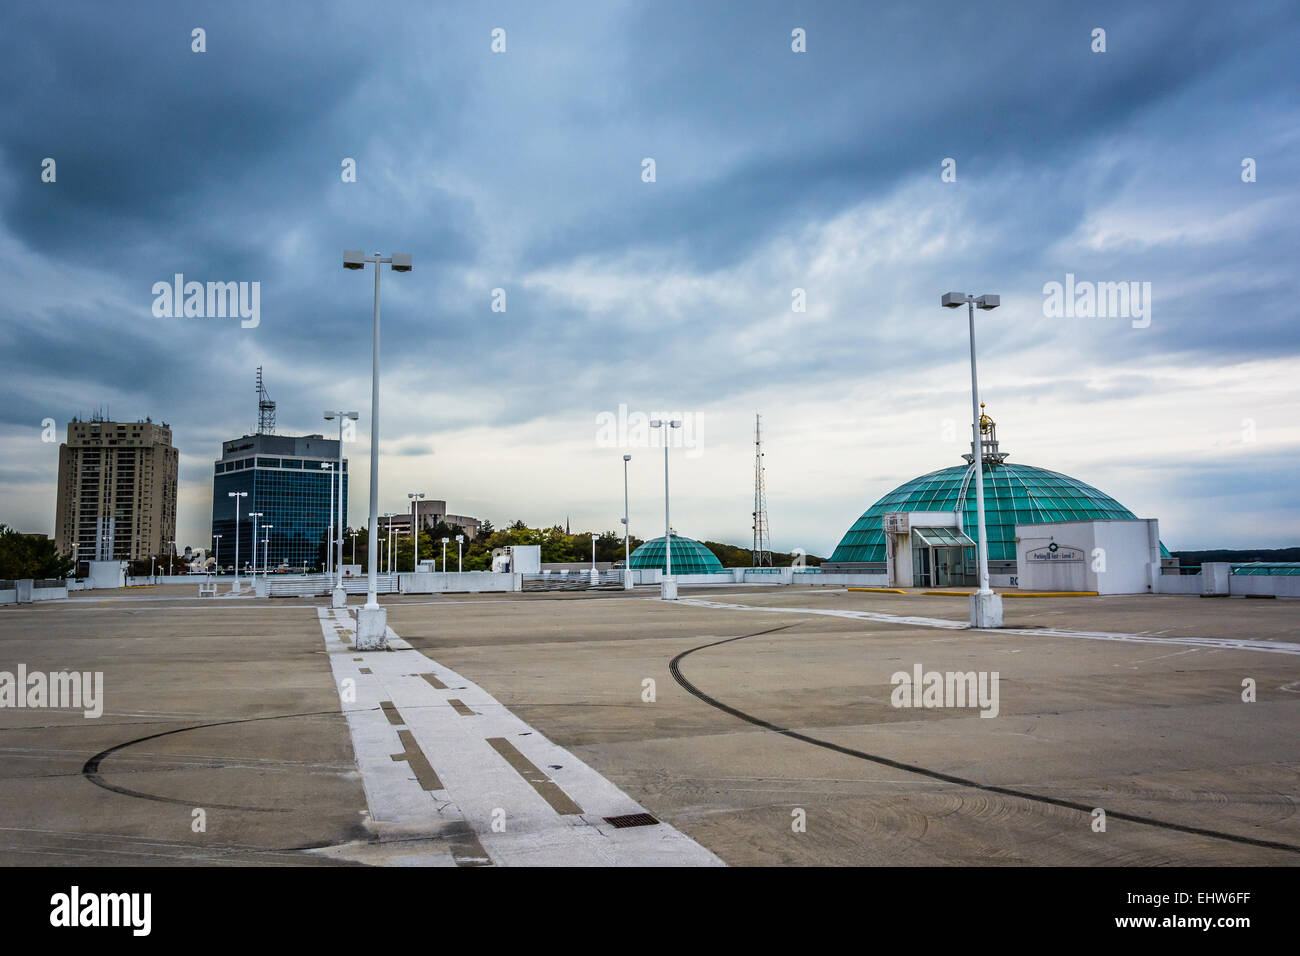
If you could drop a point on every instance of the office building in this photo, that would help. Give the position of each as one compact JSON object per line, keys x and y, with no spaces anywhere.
{"x":431,"y":512}
{"x":285,"y":481}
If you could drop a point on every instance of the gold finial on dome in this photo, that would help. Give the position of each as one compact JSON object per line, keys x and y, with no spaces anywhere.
{"x":988,"y":440}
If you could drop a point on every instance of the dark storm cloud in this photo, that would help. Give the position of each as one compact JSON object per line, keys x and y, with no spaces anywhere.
{"x":493,"y":170}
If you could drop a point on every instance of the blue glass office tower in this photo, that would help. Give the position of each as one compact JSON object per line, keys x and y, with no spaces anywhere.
{"x":285,"y":481}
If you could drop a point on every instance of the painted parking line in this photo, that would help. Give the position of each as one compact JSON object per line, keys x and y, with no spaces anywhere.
{"x":1220,"y":643}
{"x":496,"y":791}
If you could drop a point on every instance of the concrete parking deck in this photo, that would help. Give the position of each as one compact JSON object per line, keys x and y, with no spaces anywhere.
{"x":729,"y":715}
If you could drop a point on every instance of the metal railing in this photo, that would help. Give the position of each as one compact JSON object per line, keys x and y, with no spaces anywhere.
{"x":315,"y":585}
{"x":573,"y":580}
{"x":1247,"y":569}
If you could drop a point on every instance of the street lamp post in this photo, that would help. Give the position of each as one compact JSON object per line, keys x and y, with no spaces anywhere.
{"x":266,"y":550}
{"x":460,"y":541}
{"x":415,"y":497}
{"x":217,"y":552}
{"x":340,"y":598}
{"x":444,"y":554}
{"x":627,"y":535}
{"x":254,"y":515}
{"x":329,"y":534}
{"x":985,"y":605}
{"x":388,"y":567}
{"x":234,"y":588}
{"x":372,"y":620}
{"x":354,"y":547}
{"x":668,"y":588}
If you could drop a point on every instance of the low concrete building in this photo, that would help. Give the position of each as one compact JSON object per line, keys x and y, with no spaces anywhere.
{"x":1112,"y":556}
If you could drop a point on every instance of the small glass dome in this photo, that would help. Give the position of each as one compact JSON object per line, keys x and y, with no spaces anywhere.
{"x":689,"y":556}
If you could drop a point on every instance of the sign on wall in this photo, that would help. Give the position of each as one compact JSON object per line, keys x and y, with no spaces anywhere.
{"x":1055,"y":554}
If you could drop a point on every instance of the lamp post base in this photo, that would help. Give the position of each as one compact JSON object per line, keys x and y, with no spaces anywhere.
{"x":372,"y":628}
{"x":668,"y":589}
{"x":340,"y":598}
{"x":985,"y":609}
{"x":627,"y":581}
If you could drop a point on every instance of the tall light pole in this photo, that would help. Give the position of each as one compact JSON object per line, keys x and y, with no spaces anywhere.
{"x":985,"y":606}
{"x":415,"y":497}
{"x":627,"y":534}
{"x":329,"y":534}
{"x":668,"y":588}
{"x":340,"y":598}
{"x":372,"y":620}
{"x":234,"y":588}
{"x":444,"y":554}
{"x":593,"y":552}
{"x":254,"y":515}
{"x":460,"y":541}
{"x":217,"y":552}
{"x":354,"y":547}
{"x":266,"y":550}
{"x":389,"y":565}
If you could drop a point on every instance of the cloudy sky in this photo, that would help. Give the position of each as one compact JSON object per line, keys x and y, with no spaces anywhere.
{"x":774,"y":170}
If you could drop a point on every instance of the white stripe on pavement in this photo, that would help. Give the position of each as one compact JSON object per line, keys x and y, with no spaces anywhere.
{"x":483,"y":796}
{"x":1222,"y":643}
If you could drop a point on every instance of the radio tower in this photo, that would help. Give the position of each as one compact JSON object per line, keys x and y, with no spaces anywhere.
{"x":265,"y":408}
{"x":762,"y":539}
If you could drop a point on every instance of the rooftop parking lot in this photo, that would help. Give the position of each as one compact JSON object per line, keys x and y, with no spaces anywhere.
{"x":733,"y":715}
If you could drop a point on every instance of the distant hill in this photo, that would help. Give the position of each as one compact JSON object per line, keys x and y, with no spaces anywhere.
{"x":1237,"y":557}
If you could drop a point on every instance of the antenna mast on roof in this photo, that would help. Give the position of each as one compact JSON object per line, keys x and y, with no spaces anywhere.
{"x":762,"y":538}
{"x":265,"y":408}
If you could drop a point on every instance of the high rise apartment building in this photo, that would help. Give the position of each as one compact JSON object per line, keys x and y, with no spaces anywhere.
{"x":117,"y":491}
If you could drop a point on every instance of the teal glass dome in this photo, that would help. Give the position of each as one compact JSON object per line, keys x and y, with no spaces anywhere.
{"x":689,"y":556}
{"x":1012,"y":493}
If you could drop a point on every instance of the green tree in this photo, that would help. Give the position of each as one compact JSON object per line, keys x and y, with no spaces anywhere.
{"x":28,"y":556}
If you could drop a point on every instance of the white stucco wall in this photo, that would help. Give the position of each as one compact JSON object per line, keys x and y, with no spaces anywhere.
{"x":1117,"y":556}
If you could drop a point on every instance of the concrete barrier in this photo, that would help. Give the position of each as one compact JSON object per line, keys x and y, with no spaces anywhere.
{"x":845,"y":580}
{"x":1278,"y":585}
{"x":1180,"y":584}
{"x":460,"y":582}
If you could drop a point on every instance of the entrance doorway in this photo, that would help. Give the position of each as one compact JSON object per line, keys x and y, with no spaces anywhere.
{"x":939,"y":558}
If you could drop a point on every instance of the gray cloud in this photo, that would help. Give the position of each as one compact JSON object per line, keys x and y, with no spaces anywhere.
{"x":522,"y":171}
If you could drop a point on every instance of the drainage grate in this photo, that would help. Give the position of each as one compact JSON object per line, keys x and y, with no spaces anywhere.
{"x":631,"y":820}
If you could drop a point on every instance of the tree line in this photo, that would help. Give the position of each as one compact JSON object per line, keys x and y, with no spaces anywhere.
{"x":25,"y":556}
{"x":558,"y":546}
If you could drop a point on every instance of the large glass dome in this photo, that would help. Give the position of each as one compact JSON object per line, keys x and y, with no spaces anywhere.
{"x":689,"y":556}
{"x":1012,"y":493}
